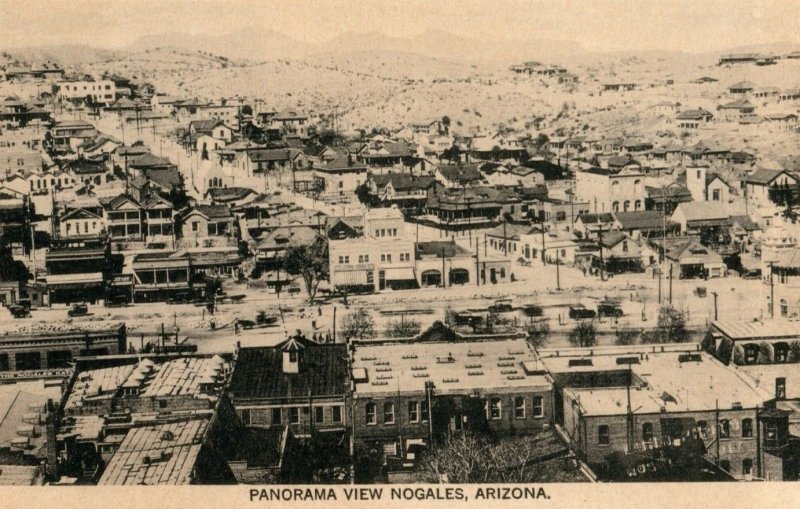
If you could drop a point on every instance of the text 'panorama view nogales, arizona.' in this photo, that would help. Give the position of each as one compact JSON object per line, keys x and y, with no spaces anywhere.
{"x":420,"y":245}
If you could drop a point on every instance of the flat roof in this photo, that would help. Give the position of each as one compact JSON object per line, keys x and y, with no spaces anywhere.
{"x":662,"y":382}
{"x":453,"y":367}
{"x":757,"y":329}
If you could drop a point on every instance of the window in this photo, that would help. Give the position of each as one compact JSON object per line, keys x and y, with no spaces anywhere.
{"x":366,"y":258}
{"x":561,"y":215}
{"x":747,"y":466}
{"x":603,"y":435}
{"x":502,"y":272}
{"x":724,"y":428}
{"x":336,"y":415}
{"x":294,"y":415}
{"x":784,"y":308}
{"x":747,"y":428}
{"x":715,"y":195}
{"x":319,"y":414}
{"x":494,"y":409}
{"x":624,"y":246}
{"x":413,"y":411}
{"x":347,"y":259}
{"x":388,"y":413}
{"x":538,"y":406}
{"x":370,"y":413}
{"x":341,"y":260}
{"x":394,"y":232}
{"x":424,"y":412}
{"x":647,"y":432}
{"x":702,"y":429}
{"x":195,"y":226}
{"x":519,"y":407}
{"x":276,"y":416}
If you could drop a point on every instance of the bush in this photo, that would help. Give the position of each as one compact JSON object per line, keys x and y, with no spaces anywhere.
{"x":537,"y":334}
{"x":358,"y":324}
{"x":627,"y":335}
{"x":403,"y":329}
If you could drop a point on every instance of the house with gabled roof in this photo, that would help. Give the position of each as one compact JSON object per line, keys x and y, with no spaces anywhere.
{"x":737,"y":109}
{"x":693,"y":119}
{"x":202,"y":221}
{"x":81,"y":222}
{"x":757,"y":185}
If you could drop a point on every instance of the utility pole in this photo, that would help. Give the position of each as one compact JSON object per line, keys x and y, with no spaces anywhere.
{"x":444,"y":281}
{"x":334,"y":324}
{"x":659,"y":285}
{"x":603,"y":263}
{"x":477,"y":265}
{"x":505,"y":241}
{"x":715,"y":305}
{"x":670,"y":284}
{"x":629,"y":413}
{"x":771,"y":293}
{"x":541,"y":226}
{"x":558,"y":272}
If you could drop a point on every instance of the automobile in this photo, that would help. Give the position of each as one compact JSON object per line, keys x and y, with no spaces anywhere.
{"x":611,"y":309}
{"x":470,"y":318}
{"x":181,"y":298}
{"x":532,"y":310}
{"x":247,"y":324}
{"x":501,"y":306}
{"x":752,"y":274}
{"x":579,"y":312}
{"x":18,"y":311}
{"x":78,"y":310}
{"x":116,"y":301}
{"x":25,"y":303}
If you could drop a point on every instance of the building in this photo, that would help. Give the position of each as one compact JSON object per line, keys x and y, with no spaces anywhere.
{"x":81,"y":222}
{"x":273,"y":247}
{"x":340,"y":177}
{"x":38,"y":348}
{"x":687,"y":258}
{"x":158,"y":276}
{"x":609,"y":191}
{"x":124,"y":218}
{"x":619,"y":252}
{"x":746,"y":343}
{"x":298,"y":383}
{"x":628,"y":401}
{"x":705,"y":185}
{"x":100,"y":92}
{"x":759,"y":186}
{"x":383,"y":257}
{"x":693,"y":119}
{"x":409,"y":393}
{"x":203,"y":221}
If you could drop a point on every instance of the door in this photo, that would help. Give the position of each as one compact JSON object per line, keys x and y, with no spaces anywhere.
{"x":381,"y":280}
{"x":493,"y":275}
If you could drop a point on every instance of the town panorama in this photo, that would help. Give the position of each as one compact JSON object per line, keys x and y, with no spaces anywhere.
{"x":277,"y":264}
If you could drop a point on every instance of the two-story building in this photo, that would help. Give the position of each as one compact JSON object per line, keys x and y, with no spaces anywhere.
{"x":609,"y":191}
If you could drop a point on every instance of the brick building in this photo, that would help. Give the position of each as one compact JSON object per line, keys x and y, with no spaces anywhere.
{"x":630,"y":400}
{"x":405,"y":394}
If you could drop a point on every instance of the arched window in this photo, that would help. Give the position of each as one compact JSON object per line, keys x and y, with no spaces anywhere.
{"x":626,"y":206}
{"x":615,"y":188}
{"x":769,"y":305}
{"x":637,"y":205}
{"x":784,"y":308}
{"x":615,"y":206}
{"x":637,"y":186}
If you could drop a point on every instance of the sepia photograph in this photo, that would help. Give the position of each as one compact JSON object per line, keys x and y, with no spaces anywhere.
{"x":381,"y":252}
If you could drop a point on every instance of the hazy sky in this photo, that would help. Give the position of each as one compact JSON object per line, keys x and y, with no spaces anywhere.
{"x":600,"y":24}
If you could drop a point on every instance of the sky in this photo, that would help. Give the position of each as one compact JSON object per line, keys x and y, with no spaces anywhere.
{"x":693,"y":26}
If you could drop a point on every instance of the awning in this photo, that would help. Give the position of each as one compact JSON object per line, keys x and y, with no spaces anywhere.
{"x":349,"y":277}
{"x":400,"y":274}
{"x":74,"y":281}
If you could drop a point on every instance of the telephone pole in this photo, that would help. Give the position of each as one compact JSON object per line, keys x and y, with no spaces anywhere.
{"x":670,"y":284}
{"x":715,"y":305}
{"x":558,"y":272}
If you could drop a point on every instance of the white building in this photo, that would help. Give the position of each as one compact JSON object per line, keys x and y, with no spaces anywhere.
{"x":101,"y":91}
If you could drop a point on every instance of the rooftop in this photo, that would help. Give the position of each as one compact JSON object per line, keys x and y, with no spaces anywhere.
{"x":757,"y":329}
{"x":681,"y":380}
{"x":452,"y":367}
{"x":162,"y":454}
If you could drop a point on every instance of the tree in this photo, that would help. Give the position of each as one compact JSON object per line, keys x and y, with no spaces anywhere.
{"x":446,"y":121}
{"x":583,"y":334}
{"x":627,"y":335}
{"x":537,"y":333}
{"x":403,"y":329}
{"x":671,"y":327}
{"x":468,"y":457}
{"x":358,"y":324}
{"x":310,"y":262}
{"x":452,"y":154}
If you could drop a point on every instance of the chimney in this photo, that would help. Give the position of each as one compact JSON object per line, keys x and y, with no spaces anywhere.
{"x":349,"y":159}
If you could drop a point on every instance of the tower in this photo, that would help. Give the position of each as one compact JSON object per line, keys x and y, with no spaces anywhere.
{"x":696,"y":182}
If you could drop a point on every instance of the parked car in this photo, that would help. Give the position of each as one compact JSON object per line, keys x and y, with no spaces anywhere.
{"x":78,"y":310}
{"x":752,"y":274}
{"x":580,"y":312}
{"x":116,"y":301}
{"x":611,"y":309}
{"x":18,"y":311}
{"x":532,"y":310}
{"x":247,"y":324}
{"x":501,"y":306}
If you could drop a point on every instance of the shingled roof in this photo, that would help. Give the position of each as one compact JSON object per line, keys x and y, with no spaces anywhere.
{"x":259,"y":373}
